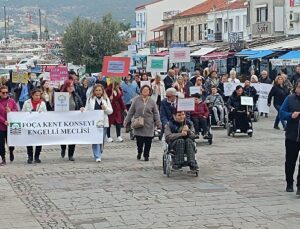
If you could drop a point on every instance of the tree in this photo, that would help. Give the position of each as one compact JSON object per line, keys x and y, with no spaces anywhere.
{"x":87,"y":42}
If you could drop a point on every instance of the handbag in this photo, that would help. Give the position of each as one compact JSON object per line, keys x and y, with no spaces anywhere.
{"x":139,"y":122}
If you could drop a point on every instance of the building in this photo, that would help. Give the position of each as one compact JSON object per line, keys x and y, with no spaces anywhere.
{"x":150,"y":16}
{"x":225,"y":21}
{"x":190,"y":26}
{"x":292,"y":17}
{"x":267,"y":17}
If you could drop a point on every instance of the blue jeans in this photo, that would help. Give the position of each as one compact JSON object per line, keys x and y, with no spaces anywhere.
{"x":278,"y":119}
{"x":98,"y":148}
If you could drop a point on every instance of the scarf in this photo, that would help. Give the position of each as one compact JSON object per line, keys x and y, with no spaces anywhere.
{"x":35,"y":104}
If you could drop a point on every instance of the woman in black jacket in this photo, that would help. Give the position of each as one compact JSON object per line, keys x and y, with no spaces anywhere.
{"x":279,"y":91}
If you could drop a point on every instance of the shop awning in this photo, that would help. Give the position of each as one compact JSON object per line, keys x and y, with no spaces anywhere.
{"x":260,"y":54}
{"x":246,"y":52}
{"x":162,"y":28}
{"x":202,"y":52}
{"x":292,"y":55}
{"x":217,"y":56}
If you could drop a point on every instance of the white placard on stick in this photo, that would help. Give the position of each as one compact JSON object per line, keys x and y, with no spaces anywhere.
{"x":230,"y":87}
{"x":195,"y":90}
{"x":180,"y":55}
{"x":61,"y":101}
{"x":187,"y":104}
{"x":246,"y":101}
{"x":145,"y":83}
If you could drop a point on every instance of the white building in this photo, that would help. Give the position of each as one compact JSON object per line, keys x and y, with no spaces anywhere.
{"x":150,"y":16}
{"x":230,"y":19}
{"x":292,"y":17}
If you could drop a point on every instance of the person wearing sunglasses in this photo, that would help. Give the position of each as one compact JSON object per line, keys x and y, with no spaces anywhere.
{"x":6,"y":105}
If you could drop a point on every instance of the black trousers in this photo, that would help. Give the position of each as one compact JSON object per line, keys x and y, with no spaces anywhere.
{"x":118,"y":130}
{"x":144,"y":145}
{"x":71,"y":149}
{"x":3,"y":140}
{"x":200,"y":123}
{"x":37,"y":153}
{"x":291,"y":156}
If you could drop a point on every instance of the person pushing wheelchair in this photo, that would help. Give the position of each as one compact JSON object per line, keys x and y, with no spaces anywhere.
{"x":180,"y":135}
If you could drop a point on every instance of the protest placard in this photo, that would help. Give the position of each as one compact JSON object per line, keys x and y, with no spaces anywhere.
{"x":53,"y":128}
{"x":180,"y":55}
{"x":157,"y":64}
{"x":147,"y":82}
{"x":115,"y":66}
{"x":195,"y":90}
{"x":263,"y":91}
{"x":20,"y":77}
{"x":59,"y":74}
{"x":246,"y":101}
{"x":61,"y":101}
{"x":229,"y":87}
{"x":187,"y":104}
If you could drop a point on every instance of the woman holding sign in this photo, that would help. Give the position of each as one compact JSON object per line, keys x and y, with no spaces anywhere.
{"x":34,"y":104}
{"x":75,"y":104}
{"x":99,"y":101}
{"x":146,"y":117}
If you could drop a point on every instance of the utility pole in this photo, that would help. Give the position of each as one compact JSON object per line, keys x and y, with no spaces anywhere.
{"x":5,"y":27}
{"x":40,"y":20}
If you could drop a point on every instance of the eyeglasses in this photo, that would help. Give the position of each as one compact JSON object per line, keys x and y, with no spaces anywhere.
{"x":4,"y":92}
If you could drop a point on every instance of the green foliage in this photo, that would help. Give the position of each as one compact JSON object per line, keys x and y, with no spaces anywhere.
{"x":87,"y":42}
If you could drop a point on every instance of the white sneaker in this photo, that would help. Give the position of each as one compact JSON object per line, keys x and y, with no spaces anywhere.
{"x":119,"y":139}
{"x":238,"y":131}
{"x":98,"y":160}
{"x":110,"y":140}
{"x":249,"y":131}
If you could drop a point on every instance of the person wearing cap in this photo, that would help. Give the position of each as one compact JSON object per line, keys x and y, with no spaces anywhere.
{"x":180,"y":137}
{"x":143,"y":106}
{"x":199,"y":116}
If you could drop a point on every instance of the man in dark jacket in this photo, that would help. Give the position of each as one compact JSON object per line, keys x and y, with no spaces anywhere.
{"x":290,"y":111}
{"x":264,"y":78}
{"x":296,"y":77}
{"x":170,"y":79}
{"x":168,"y":105}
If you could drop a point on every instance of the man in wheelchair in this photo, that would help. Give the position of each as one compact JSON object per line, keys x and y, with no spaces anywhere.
{"x":216,"y":103}
{"x":239,"y":114}
{"x":179,"y":134}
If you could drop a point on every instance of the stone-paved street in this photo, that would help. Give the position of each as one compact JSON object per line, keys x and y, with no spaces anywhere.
{"x":241,"y":185}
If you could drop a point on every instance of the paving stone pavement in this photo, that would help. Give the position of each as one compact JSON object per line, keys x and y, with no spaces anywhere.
{"x":240,"y":185}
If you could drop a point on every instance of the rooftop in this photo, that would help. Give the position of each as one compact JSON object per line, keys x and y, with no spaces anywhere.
{"x":144,"y":5}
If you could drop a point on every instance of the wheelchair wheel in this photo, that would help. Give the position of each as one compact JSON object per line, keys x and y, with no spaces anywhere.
{"x":255,"y":116}
{"x":164,"y":165}
{"x":250,"y":135}
{"x":210,"y":141}
{"x":197,"y":174}
{"x":168,"y":164}
{"x":228,"y":129}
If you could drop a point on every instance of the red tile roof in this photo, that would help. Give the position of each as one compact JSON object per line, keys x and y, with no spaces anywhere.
{"x":144,"y":5}
{"x":203,"y":8}
{"x":238,"y":4}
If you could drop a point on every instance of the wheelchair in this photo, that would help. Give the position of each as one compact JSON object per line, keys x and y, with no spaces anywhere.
{"x":214,"y":123}
{"x":255,"y":113}
{"x":209,"y":137}
{"x":232,"y":127}
{"x":169,"y":158}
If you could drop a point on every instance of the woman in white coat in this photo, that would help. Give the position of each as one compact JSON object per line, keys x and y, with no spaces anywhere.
{"x":99,"y":101}
{"x":158,"y":90}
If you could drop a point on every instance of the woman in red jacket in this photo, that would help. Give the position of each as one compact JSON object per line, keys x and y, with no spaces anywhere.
{"x":114,"y":92}
{"x":199,"y":116}
{"x":6,"y":105}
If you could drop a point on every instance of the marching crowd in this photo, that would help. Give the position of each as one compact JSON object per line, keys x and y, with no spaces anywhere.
{"x":146,"y":102}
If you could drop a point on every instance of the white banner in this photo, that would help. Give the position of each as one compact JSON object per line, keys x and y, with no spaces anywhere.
{"x":55,"y":128}
{"x":180,"y":55}
{"x":263,"y":91}
{"x":230,"y":87}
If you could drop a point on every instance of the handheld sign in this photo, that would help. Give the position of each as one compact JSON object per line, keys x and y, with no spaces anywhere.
{"x":115,"y":66}
{"x":195,"y":90}
{"x":180,"y":55}
{"x":145,"y":83}
{"x":247,"y":101}
{"x":187,"y":104}
{"x":59,"y":74}
{"x":61,"y":101}
{"x":20,"y":77}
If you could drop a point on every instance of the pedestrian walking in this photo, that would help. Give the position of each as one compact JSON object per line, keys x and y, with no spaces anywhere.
{"x":6,"y":105}
{"x":99,"y":101}
{"x":290,"y":111}
{"x":146,"y":117}
{"x":75,"y":104}
{"x":34,"y":104}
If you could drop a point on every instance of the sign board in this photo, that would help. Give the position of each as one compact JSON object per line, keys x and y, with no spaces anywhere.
{"x":59,"y":74}
{"x":61,"y":101}
{"x":132,"y":49}
{"x":195,"y":90}
{"x":187,"y":104}
{"x":157,"y":64}
{"x":52,"y":128}
{"x":180,"y":55}
{"x":263,"y":91}
{"x":20,"y":77}
{"x":115,"y":66}
{"x":247,"y":101}
{"x":143,"y":83}
{"x":230,"y":87}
